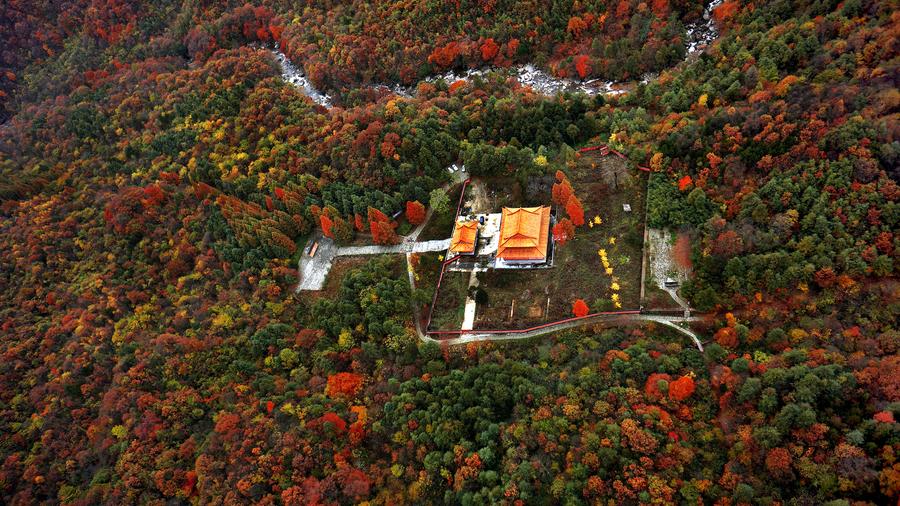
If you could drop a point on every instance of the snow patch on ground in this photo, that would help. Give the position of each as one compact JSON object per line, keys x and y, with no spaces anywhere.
{"x":397,"y":89}
{"x":544,"y":83}
{"x":699,"y":35}
{"x":314,"y":270}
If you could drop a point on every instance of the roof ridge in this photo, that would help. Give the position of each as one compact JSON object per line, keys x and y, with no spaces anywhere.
{"x":523,"y":229}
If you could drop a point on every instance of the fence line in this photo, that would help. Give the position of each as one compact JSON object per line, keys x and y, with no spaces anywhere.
{"x":532,"y":329}
{"x":444,"y":265}
{"x":462,"y":195}
{"x":436,"y":290}
{"x":604,"y":150}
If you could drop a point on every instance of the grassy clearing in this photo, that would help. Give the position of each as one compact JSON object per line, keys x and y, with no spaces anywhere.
{"x":657,"y":299}
{"x":605,"y":185}
{"x":525,"y":298}
{"x":427,"y":268}
{"x":441,"y":225}
{"x":451,"y":302}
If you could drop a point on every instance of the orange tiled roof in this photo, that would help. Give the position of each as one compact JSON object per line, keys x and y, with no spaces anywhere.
{"x":524,"y":233}
{"x":464,"y":235}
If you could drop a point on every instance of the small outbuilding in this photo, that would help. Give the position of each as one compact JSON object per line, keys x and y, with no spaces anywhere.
{"x":465,"y":237}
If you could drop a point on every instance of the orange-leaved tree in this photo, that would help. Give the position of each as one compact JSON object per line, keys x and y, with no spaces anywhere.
{"x":343,"y":384}
{"x":382,"y":228}
{"x":327,"y":224}
{"x":582,"y":65}
{"x":562,"y":190}
{"x":575,"y":211}
{"x":682,"y":388}
{"x":415,"y":212}
{"x":580,"y":308}
{"x":489,"y":50}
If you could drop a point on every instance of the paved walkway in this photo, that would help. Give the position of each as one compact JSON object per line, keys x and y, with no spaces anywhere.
{"x":669,"y":321}
{"x":313,"y":270}
{"x":471,"y":305}
{"x":403,"y":247}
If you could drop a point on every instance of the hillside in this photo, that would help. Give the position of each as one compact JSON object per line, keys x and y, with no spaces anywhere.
{"x":165,"y":166}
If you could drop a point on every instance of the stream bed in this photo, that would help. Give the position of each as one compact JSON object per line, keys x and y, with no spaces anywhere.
{"x":699,"y":35}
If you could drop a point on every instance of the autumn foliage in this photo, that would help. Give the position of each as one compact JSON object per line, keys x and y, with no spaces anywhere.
{"x":344,"y":384}
{"x":564,"y":197}
{"x":582,"y":66}
{"x":778,"y":463}
{"x":561,"y":190}
{"x":381,"y":227}
{"x":682,"y":388}
{"x":445,"y":56}
{"x":580,"y":308}
{"x":327,"y":225}
{"x":563,"y":231}
{"x":575,"y":211}
{"x":725,"y":11}
{"x":158,"y":178}
{"x":727,"y":336}
{"x":682,"y":251}
{"x":489,"y":49}
{"x":415,"y":212}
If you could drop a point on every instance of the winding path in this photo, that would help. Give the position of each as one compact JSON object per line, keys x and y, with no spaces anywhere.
{"x":669,"y":321}
{"x":314,"y":270}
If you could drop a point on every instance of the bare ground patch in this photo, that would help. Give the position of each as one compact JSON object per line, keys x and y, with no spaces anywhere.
{"x":669,"y":267}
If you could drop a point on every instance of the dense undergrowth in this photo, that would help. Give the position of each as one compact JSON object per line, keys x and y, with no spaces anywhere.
{"x":157,"y":179}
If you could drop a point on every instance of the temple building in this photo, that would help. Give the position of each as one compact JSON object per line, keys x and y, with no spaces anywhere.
{"x":465,"y":237}
{"x":524,"y":236}
{"x":514,"y":238}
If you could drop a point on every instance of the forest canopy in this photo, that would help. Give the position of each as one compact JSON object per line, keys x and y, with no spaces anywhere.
{"x":160,"y":180}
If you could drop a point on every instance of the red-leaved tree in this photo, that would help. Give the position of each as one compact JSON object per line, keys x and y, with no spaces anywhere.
{"x":415,"y":212}
{"x":563,"y":231}
{"x":489,"y":50}
{"x":343,"y":384}
{"x":580,"y":308}
{"x":582,"y":65}
{"x":575,"y":211}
